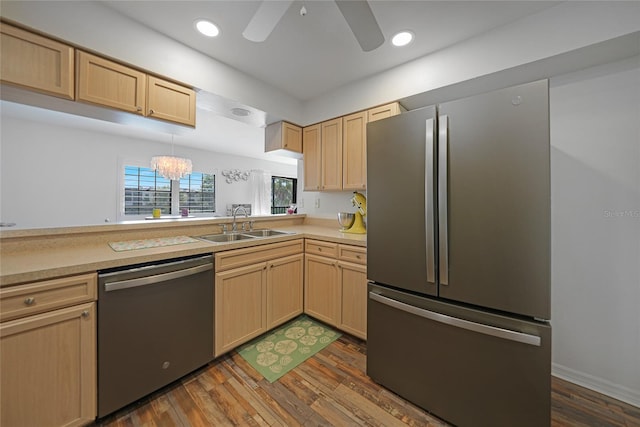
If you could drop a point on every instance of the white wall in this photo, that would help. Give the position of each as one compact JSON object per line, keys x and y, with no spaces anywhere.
{"x":595,"y":203}
{"x":106,"y":31}
{"x":566,"y":27}
{"x":532,"y":38}
{"x":55,"y":176}
{"x":325,"y":204}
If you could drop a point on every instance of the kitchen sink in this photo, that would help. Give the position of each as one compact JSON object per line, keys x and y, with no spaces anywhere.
{"x":245,"y":235}
{"x":265,"y":233}
{"x":225,"y":238}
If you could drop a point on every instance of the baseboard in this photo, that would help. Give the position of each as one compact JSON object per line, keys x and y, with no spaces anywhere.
{"x":600,"y":385}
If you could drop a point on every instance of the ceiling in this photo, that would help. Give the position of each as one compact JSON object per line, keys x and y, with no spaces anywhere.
{"x":305,"y":56}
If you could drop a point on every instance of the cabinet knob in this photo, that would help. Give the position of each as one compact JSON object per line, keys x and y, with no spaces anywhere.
{"x":151,"y":112}
{"x":138,"y":108}
{"x":29,"y":301}
{"x":85,"y":313}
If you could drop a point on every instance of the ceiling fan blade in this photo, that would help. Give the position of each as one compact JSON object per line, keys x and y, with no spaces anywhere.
{"x":265,"y":19}
{"x":362,"y":22}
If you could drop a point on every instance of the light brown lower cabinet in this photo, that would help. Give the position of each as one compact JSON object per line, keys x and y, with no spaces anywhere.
{"x":322,"y":288}
{"x":48,"y":368}
{"x":252,"y":297}
{"x":353,"y":310}
{"x":336,"y":285}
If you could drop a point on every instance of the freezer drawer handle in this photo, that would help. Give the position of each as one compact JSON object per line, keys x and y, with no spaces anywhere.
{"x":459,"y":323}
{"x":149,"y":280}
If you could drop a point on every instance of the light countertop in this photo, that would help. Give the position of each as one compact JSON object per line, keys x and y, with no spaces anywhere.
{"x":51,"y":259}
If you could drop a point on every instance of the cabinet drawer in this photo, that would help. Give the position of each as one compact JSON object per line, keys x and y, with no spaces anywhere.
{"x":354,"y":254}
{"x":255,"y":254}
{"x":318,"y":247}
{"x":24,"y":300}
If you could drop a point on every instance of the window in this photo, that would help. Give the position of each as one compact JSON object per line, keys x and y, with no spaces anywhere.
{"x":145,"y":189}
{"x":283,"y":193}
{"x":197,"y":192}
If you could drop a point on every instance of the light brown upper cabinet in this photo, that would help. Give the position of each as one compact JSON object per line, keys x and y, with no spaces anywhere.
{"x":111,"y":84}
{"x":170,"y":101}
{"x":354,"y":151}
{"x":283,"y":136}
{"x":107,"y":83}
{"x":384,"y":111}
{"x":312,"y":157}
{"x":331,"y":160}
{"x":36,"y":62}
{"x":335,"y":151}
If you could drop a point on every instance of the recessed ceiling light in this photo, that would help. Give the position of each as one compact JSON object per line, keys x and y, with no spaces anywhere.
{"x":402,"y":38}
{"x":207,"y":28}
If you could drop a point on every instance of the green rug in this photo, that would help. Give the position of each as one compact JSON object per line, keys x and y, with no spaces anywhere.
{"x":279,"y":351}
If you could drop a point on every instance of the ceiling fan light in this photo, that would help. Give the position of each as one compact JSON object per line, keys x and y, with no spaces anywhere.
{"x":207,"y":28}
{"x":402,"y":38}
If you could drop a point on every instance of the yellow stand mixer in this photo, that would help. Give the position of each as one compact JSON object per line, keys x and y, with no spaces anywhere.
{"x":360,"y":202}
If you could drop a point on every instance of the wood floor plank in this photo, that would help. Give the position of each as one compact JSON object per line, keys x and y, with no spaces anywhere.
{"x":331,"y":388}
{"x":208,"y":405}
{"x":289,"y":401}
{"x":366,"y":410}
{"x":186,"y":409}
{"x":249,"y":396}
{"x":335,"y":414}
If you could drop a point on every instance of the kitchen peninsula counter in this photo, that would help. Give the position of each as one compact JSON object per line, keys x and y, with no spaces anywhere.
{"x":40,"y":254}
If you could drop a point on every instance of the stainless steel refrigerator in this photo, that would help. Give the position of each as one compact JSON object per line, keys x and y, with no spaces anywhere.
{"x":458,"y":255}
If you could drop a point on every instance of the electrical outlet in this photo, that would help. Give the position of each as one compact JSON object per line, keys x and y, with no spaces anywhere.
{"x":317,"y":202}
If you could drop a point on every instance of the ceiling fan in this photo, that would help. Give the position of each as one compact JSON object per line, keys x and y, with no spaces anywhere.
{"x":357,"y":13}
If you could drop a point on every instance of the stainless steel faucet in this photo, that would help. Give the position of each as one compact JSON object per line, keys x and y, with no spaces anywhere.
{"x":234,"y":226}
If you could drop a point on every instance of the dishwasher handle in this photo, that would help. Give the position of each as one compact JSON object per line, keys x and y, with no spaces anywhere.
{"x":149,"y":280}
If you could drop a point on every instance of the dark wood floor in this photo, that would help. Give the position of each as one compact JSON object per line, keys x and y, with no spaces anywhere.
{"x":329,"y":389}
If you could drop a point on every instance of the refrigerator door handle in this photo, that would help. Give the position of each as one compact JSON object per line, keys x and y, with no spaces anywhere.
{"x":428,"y":200}
{"x":458,"y":323}
{"x":443,"y":195}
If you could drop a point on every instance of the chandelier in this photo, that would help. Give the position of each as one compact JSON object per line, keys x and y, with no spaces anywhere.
{"x":171,"y":167}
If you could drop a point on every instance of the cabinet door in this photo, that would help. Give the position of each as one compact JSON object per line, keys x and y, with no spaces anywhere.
{"x":322,"y":289}
{"x":331,"y":158}
{"x":284,"y":289}
{"x":110,"y":84}
{"x":36,"y":62}
{"x":292,"y":137}
{"x":353,"y":317}
{"x":354,"y":151}
{"x":170,"y":101}
{"x":48,"y":365}
{"x":283,"y":136}
{"x":312,"y":157}
{"x":240,"y":298}
{"x":384,"y":111}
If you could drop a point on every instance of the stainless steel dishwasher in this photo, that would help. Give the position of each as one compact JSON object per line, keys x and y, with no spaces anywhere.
{"x":155,"y":325}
